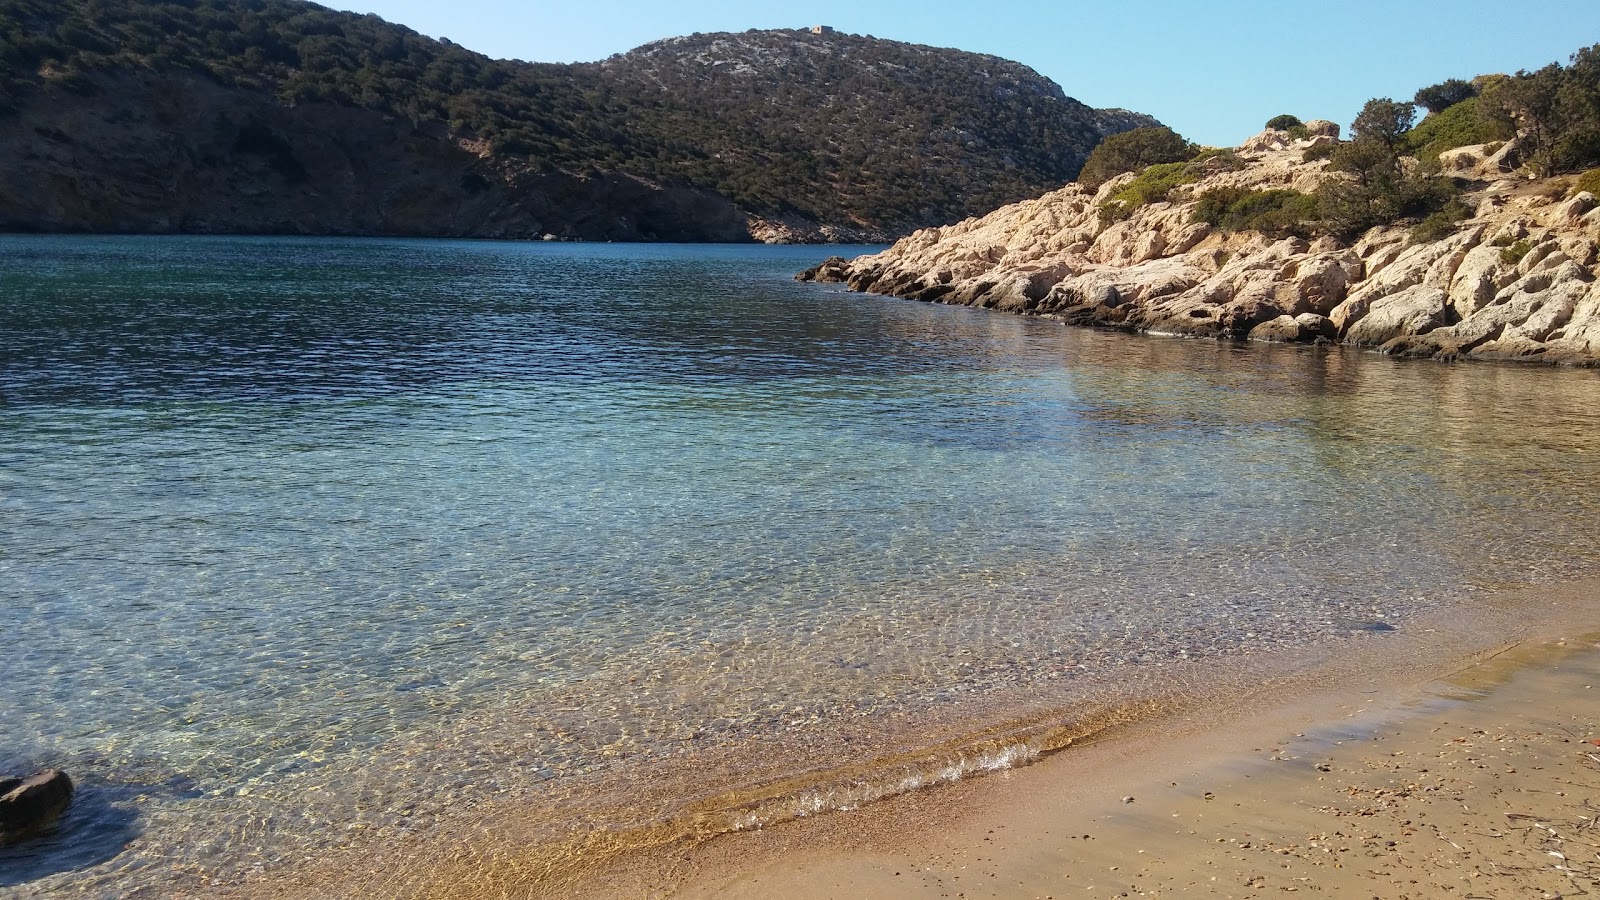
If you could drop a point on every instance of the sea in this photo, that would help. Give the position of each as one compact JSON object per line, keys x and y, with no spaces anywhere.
{"x":313,"y":549}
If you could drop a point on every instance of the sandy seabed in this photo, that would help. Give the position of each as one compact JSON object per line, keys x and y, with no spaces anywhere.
{"x":1481,"y":781}
{"x":1453,"y":757}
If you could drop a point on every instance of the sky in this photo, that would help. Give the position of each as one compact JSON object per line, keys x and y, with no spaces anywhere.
{"x":1215,"y":71}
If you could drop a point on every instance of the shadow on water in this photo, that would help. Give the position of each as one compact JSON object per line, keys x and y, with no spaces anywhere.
{"x":96,"y":829}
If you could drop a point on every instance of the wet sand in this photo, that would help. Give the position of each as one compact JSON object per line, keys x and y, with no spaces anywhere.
{"x":1484,"y":783}
{"x":1447,"y":757}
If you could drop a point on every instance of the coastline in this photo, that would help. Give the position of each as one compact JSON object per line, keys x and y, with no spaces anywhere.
{"x":1340,"y":687}
{"x":1467,"y":775}
{"x":1513,"y":281}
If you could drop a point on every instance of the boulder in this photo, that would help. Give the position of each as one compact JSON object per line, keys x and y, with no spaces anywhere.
{"x":1282,"y":330}
{"x":1314,"y":327}
{"x":833,"y":270}
{"x":1502,"y":162}
{"x":1322,"y":128}
{"x":29,"y":806}
{"x":1464,"y":159}
{"x":1414,"y":310}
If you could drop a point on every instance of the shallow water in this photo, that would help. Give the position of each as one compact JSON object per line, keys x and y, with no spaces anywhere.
{"x":300,"y":535}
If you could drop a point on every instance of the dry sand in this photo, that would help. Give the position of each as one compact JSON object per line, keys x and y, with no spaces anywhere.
{"x":1485,"y":784}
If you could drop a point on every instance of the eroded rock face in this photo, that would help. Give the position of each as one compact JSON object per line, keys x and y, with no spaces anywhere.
{"x":1517,"y":281}
{"x":29,"y":806}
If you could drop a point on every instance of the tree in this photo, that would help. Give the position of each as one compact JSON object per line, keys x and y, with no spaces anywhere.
{"x":1383,"y":120}
{"x":1284,"y":122}
{"x":1440,"y":97}
{"x":1379,"y":188}
{"x":1530,"y":103}
{"x":1133,"y":151}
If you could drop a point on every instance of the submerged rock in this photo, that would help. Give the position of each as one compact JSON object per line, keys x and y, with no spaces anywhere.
{"x":32,"y":805}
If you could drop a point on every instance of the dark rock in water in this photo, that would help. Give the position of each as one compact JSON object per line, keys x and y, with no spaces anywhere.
{"x":830,"y":271}
{"x":1375,"y":627}
{"x":31,"y":805}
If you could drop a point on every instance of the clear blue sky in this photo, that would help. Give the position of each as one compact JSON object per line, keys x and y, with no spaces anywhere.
{"x":1215,"y":71}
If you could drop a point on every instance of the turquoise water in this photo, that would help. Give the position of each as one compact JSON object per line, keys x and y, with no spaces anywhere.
{"x":297,"y":535}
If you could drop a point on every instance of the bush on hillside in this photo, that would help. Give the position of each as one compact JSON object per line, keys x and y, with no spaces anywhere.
{"x":1384,"y":121}
{"x":1275,"y":213}
{"x":1588,"y":181}
{"x":1555,"y":110}
{"x":1133,"y":151}
{"x":1460,"y":125}
{"x":1441,"y":224}
{"x":1284,"y":122}
{"x":1513,"y":253}
{"x":1439,"y":97}
{"x":1378,"y":189}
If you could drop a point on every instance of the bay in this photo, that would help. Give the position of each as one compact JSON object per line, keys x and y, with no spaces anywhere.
{"x":303,"y":535}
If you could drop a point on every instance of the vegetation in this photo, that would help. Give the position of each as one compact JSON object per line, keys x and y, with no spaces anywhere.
{"x":1276,"y":213}
{"x":872,"y":131}
{"x":1382,"y":122}
{"x":1514,"y":253}
{"x":1133,"y":151}
{"x":1379,"y":188}
{"x":1460,"y":125}
{"x":1441,"y":224}
{"x":1156,"y":183}
{"x":1284,"y":123}
{"x":1440,"y":97}
{"x":1588,"y":181}
{"x":1555,"y":110}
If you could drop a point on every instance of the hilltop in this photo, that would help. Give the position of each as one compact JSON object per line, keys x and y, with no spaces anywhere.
{"x":283,"y":116}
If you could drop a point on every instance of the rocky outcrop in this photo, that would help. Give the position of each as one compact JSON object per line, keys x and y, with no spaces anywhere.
{"x":1516,"y":281}
{"x":29,"y":806}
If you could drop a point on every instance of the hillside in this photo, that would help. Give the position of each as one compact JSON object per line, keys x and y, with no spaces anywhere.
{"x":283,"y":116}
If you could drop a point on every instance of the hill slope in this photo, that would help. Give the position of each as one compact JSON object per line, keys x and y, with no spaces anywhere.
{"x":283,"y":116}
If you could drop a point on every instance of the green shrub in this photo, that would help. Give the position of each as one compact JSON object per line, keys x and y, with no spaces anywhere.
{"x":1502,"y":240}
{"x":1212,"y":160}
{"x":1322,"y":151}
{"x":1460,"y":125}
{"x":1284,"y":123}
{"x":1441,"y":224}
{"x":1384,"y":121}
{"x":1299,"y":133}
{"x":1440,"y":97}
{"x":1132,"y":151}
{"x":1274,"y":213}
{"x":1588,"y":181}
{"x":1153,"y":185}
{"x":1514,"y":253}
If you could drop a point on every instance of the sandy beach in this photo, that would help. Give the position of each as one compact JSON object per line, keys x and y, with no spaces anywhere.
{"x":1482,"y":783}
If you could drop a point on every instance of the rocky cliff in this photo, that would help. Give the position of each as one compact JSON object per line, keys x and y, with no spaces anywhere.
{"x":281,"y":116}
{"x":1515,"y":281}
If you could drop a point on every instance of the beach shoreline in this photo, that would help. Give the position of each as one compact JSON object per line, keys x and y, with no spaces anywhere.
{"x":1167,"y":756}
{"x":1325,"y":782}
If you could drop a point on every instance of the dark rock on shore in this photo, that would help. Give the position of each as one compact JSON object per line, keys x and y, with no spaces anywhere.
{"x":29,"y":806}
{"x":832,"y":270}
